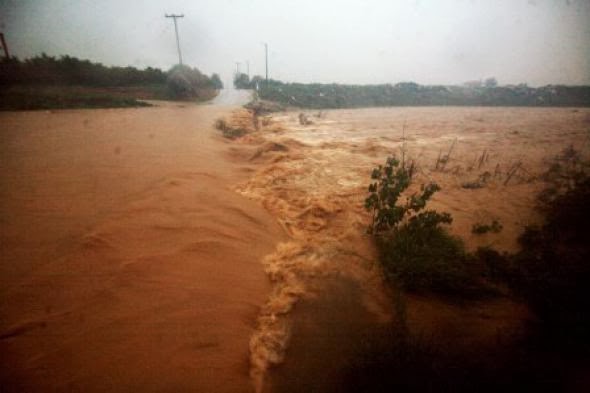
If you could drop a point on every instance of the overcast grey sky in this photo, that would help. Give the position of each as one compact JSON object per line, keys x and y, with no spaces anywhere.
{"x":373,"y":41}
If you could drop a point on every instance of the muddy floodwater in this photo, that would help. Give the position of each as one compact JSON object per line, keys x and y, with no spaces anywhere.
{"x":128,"y":263}
{"x":141,"y":251}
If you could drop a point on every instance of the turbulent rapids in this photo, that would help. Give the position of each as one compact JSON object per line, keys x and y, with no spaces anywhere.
{"x":312,"y":179}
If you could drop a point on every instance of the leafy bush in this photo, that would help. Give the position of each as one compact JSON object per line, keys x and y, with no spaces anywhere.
{"x":415,"y":251}
{"x":422,"y":256}
{"x":390,"y":181}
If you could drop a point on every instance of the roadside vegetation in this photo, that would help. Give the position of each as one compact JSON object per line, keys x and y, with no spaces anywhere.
{"x":46,"y":82}
{"x":416,"y":252}
{"x":243,"y":81}
{"x":318,"y":96}
{"x":16,"y":98}
{"x":550,"y":274}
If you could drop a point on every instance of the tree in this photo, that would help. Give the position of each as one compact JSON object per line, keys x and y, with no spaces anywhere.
{"x":389,"y":182}
{"x":216,"y":82}
{"x":241,"y":81}
{"x":491,"y":83}
{"x":185,"y":82}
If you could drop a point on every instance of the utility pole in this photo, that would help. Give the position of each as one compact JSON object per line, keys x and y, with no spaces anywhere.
{"x":248,"y":67}
{"x":237,"y":68}
{"x":4,"y":46}
{"x":174,"y":17}
{"x":266,"y":60}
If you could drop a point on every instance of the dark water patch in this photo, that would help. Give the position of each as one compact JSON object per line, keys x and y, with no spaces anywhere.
{"x":325,"y":333}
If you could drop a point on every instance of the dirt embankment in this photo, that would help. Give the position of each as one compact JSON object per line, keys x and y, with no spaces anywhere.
{"x":128,"y":262}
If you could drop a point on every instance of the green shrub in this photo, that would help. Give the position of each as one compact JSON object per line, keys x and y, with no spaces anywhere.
{"x":427,"y":258}
{"x":390,"y":181}
{"x":414,"y":250}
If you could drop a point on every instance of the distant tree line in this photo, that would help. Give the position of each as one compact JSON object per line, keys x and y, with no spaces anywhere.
{"x":317,"y":95}
{"x":243,"y":81}
{"x":71,"y":71}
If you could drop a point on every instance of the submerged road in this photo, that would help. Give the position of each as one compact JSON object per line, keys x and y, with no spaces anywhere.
{"x":126,"y":261}
{"x":232,"y":97}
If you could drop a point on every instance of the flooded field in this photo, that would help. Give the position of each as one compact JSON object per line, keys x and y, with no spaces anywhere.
{"x":313,"y":179}
{"x":141,"y":251}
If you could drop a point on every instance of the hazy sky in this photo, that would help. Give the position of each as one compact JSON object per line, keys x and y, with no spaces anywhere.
{"x":372,"y":41}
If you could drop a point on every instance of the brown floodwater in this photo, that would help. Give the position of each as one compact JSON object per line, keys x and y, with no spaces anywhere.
{"x":313,"y":179}
{"x":128,"y":263}
{"x":141,"y":251}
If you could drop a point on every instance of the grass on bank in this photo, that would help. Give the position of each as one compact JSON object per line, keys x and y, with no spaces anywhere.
{"x":58,"y":97}
{"x":16,"y":98}
{"x":415,"y":250}
{"x":45,"y":82}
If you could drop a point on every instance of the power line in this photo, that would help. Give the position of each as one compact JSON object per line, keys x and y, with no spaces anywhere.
{"x":174,"y":17}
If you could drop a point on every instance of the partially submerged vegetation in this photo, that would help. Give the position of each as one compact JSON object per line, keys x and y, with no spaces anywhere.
{"x":229,"y":130}
{"x":465,"y":320}
{"x":315,"y":95}
{"x":238,"y":124}
{"x":416,"y":252}
{"x":46,"y":82}
{"x":550,"y":274}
